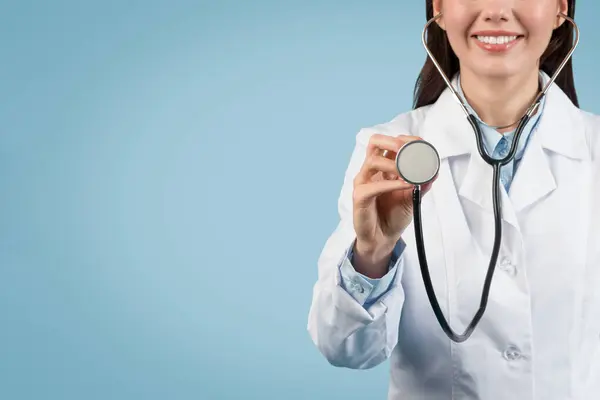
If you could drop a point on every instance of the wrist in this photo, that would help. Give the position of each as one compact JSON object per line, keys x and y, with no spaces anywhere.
{"x":372,"y":260}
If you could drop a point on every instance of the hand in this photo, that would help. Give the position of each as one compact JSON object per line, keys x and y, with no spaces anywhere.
{"x":382,"y":204}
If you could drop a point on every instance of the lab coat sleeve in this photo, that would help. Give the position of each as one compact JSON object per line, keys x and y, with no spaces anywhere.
{"x":350,"y":334}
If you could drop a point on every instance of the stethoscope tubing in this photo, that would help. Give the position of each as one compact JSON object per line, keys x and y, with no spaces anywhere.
{"x":420,"y":243}
{"x":496,"y":165}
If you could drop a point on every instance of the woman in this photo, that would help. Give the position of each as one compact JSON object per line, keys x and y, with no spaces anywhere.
{"x":539,"y":338}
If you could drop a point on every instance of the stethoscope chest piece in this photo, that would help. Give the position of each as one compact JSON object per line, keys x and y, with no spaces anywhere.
{"x":418,"y":162}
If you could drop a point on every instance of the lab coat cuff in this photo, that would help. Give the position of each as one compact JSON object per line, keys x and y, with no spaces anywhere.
{"x":363,"y":289}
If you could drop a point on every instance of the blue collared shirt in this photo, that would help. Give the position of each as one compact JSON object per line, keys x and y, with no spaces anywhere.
{"x":497,"y":145}
{"x":366,"y":290}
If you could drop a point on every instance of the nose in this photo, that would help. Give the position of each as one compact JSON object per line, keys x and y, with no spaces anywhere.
{"x":496,"y":11}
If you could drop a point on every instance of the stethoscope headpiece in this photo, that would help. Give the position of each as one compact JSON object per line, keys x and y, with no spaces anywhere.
{"x":417,"y":162}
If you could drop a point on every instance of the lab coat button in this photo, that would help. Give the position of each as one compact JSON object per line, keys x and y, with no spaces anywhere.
{"x":357,"y":287}
{"x":512,"y":353}
{"x":507,"y":266}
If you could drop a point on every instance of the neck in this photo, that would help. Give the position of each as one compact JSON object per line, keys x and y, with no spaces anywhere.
{"x":500,"y":101}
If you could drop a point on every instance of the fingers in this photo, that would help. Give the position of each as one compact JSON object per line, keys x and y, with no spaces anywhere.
{"x":363,"y":194}
{"x":379,"y":143}
{"x":376,"y":163}
{"x":380,"y":157}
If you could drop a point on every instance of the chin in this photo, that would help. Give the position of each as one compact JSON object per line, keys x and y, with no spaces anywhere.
{"x":495,"y":71}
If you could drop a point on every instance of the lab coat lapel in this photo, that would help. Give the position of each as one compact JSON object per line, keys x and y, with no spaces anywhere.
{"x":477,"y":188}
{"x":560,"y":131}
{"x":446,"y":127}
{"x":533,"y":179}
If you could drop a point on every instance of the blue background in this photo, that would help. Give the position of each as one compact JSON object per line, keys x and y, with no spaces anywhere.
{"x":169,"y":174}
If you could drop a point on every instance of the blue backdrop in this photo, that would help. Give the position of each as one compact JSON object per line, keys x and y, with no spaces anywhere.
{"x":169,"y":174}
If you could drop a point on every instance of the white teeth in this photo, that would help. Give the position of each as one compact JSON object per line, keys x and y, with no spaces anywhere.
{"x":496,"y":39}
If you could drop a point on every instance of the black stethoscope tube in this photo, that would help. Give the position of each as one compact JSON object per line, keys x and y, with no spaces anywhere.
{"x":497,"y":206}
{"x":496,"y":165}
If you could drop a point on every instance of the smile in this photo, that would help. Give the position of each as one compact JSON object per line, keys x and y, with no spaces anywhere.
{"x":496,"y":39}
{"x":497,"y":42}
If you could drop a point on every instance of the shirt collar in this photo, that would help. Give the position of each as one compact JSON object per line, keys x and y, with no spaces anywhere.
{"x":491,"y":136}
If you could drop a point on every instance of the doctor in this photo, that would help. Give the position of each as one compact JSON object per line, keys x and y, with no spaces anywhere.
{"x":540,"y":336}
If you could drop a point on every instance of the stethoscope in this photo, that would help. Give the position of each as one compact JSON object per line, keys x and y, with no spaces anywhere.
{"x":418,"y":163}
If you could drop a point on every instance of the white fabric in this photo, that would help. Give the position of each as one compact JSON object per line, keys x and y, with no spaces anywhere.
{"x":540,"y":336}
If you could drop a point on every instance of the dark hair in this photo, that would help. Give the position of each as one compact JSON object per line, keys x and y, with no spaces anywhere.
{"x":430,"y":84}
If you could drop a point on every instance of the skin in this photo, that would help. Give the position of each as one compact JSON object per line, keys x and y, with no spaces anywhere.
{"x":500,"y":86}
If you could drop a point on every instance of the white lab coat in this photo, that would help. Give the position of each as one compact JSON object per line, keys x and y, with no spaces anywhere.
{"x":540,"y":336}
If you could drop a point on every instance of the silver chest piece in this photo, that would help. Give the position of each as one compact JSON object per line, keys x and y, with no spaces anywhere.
{"x":417,"y":162}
